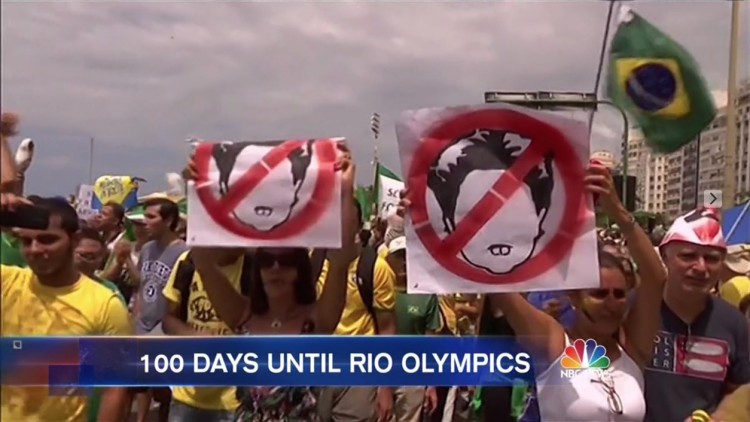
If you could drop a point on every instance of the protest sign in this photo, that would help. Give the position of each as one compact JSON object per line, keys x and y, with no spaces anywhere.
{"x":253,"y":194}
{"x":497,"y":200}
{"x":84,"y":202}
{"x":389,"y":188}
{"x":122,"y":190}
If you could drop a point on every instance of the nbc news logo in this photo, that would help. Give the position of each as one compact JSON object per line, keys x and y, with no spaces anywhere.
{"x":583,"y":355}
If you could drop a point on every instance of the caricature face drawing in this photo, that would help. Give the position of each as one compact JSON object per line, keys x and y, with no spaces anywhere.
{"x":465,"y":171}
{"x":272,"y":202}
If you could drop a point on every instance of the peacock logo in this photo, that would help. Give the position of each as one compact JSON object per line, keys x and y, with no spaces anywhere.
{"x":583,"y":355}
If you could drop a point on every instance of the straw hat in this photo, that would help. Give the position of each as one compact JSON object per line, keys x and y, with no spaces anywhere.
{"x":738,"y":259}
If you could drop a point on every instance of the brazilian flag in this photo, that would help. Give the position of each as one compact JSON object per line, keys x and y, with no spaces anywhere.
{"x":657,"y":82}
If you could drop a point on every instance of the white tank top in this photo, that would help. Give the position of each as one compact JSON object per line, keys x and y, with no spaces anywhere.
{"x":583,"y":398}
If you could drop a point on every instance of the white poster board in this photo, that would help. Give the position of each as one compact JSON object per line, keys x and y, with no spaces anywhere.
{"x":497,"y":200}
{"x":84,"y":202}
{"x":389,"y":189}
{"x":251,"y":194}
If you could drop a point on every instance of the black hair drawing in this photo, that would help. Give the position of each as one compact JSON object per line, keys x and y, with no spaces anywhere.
{"x":486,"y":149}
{"x":225,"y":155}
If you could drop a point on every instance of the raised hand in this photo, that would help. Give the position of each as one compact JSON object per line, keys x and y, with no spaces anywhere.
{"x":598,"y":181}
{"x":403,"y":203}
{"x":349,"y":216}
{"x":191,"y":171}
{"x":11,"y":202}
{"x":8,"y":123}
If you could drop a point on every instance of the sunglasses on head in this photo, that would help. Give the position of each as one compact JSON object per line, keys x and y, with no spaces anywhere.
{"x":603,"y":293}
{"x":267,"y":260}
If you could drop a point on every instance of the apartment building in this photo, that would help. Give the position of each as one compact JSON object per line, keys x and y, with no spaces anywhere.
{"x":649,"y":170}
{"x":743,"y":141}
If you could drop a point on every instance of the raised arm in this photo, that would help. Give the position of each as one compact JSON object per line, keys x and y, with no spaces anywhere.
{"x":644,"y":318}
{"x":231,"y":307}
{"x":534,"y":328}
{"x":7,"y":163}
{"x":332,"y":299}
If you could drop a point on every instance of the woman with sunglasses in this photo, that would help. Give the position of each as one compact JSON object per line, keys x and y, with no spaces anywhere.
{"x":616,"y":394}
{"x":602,"y":315}
{"x":283,"y":301}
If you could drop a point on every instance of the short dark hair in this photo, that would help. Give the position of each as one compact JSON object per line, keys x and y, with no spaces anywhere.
{"x":62,"y":209}
{"x":117,"y":209}
{"x":92,"y":234}
{"x":304,"y":286}
{"x":168,"y":210}
{"x":484,"y":149}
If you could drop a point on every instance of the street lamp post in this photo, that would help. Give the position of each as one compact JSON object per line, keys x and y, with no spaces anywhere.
{"x":546,"y":100}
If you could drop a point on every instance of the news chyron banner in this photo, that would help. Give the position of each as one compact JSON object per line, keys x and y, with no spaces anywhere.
{"x":66,"y":362}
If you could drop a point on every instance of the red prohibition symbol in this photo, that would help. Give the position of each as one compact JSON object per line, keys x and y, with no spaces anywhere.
{"x":220,"y":208}
{"x":545,"y":139}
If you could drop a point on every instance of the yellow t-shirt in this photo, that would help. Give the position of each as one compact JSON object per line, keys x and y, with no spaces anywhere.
{"x":355,"y":320}
{"x":32,"y":309}
{"x":734,"y":290}
{"x":447,"y":309}
{"x":202,"y":318}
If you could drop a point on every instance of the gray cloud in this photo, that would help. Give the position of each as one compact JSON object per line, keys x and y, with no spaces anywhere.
{"x":142,"y":77}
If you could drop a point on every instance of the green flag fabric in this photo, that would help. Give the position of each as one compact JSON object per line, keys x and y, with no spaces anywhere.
{"x":365,"y":199}
{"x":658,"y":83}
{"x":134,"y":214}
{"x":183,"y":206}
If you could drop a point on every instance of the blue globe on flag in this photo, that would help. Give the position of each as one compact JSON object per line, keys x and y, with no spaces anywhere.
{"x":651,"y":87}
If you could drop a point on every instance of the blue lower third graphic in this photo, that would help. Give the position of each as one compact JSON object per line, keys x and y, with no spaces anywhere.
{"x":263,"y":361}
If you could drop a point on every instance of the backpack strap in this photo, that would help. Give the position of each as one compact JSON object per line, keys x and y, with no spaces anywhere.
{"x":247,"y":275}
{"x":182,"y":281}
{"x":317,"y":259}
{"x":365,"y":281}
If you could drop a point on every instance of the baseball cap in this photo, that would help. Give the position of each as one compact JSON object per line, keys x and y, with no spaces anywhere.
{"x":699,"y":227}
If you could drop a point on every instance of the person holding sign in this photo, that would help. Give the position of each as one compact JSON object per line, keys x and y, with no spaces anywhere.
{"x":282,"y":301}
{"x":601,"y":314}
{"x":617,"y":393}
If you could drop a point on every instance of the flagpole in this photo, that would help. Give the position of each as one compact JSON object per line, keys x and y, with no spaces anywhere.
{"x":602,"y":54}
{"x":730,"y":157}
{"x":91,"y":161}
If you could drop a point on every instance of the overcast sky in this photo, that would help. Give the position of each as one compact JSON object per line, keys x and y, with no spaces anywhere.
{"x":140,"y":78}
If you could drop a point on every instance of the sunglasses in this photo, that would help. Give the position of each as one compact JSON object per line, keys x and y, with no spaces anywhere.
{"x":602,"y":294}
{"x":267,"y":260}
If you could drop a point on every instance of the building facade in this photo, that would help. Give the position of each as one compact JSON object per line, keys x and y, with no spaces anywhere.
{"x":649,"y":170}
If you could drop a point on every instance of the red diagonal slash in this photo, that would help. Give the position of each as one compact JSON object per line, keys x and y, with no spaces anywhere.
{"x":492,"y":201}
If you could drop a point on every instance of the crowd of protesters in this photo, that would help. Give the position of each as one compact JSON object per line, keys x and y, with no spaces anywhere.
{"x":130,"y":272}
